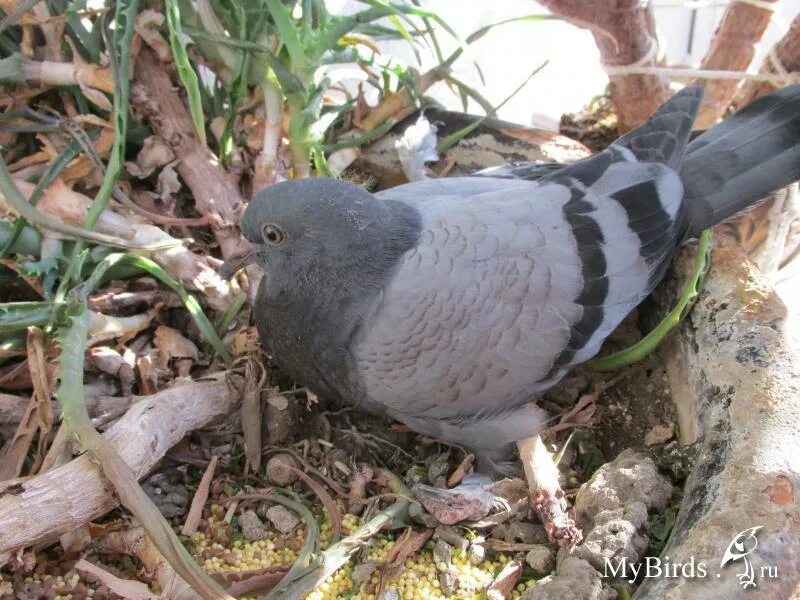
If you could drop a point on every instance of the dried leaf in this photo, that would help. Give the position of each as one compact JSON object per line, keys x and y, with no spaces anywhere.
{"x":155,"y":153}
{"x":406,"y":545}
{"x":168,"y":183}
{"x":253,"y":582}
{"x":38,"y":416}
{"x":171,"y":344}
{"x":147,"y":26}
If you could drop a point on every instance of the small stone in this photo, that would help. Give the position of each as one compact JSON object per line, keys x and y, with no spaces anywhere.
{"x":541,"y":558}
{"x":252,"y":527}
{"x":279,"y":469}
{"x":659,"y":434}
{"x":229,"y":558}
{"x":282,"y":518}
{"x":452,"y":535}
{"x":442,"y":552}
{"x":575,"y":578}
{"x":390,"y":594}
{"x":448,"y":579}
{"x":526,"y":533}
{"x":476,"y":552}
{"x":168,"y":493}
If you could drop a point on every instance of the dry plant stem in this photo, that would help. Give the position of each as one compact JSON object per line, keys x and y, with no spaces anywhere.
{"x":624,"y":32}
{"x":199,"y":500}
{"x":127,"y":588}
{"x":58,"y":73}
{"x":135,"y":542}
{"x":13,"y":408}
{"x":787,"y":55}
{"x":255,"y":379}
{"x":38,"y":416}
{"x":267,"y":161}
{"x":69,"y":496}
{"x":732,"y":49}
{"x":216,"y":193}
{"x":192,"y":270}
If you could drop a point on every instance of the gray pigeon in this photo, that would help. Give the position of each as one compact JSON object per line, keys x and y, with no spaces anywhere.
{"x":450,"y":304}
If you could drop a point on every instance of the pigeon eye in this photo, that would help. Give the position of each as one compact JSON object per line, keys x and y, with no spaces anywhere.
{"x":272,"y":234}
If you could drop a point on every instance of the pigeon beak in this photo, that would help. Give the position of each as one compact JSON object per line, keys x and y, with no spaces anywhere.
{"x":237,"y":262}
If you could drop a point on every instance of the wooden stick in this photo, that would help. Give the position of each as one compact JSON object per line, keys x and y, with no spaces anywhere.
{"x":71,"y":495}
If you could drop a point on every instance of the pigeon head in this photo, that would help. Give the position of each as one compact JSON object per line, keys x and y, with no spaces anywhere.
{"x":307,"y":219}
{"x":320,"y":229}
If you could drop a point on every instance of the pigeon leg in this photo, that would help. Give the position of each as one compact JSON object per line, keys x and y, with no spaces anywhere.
{"x":546,"y":496}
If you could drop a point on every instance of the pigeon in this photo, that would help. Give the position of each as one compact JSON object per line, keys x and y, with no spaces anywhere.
{"x":451,"y":304}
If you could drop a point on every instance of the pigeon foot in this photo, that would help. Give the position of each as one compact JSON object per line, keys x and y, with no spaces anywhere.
{"x":552,"y":511}
{"x":546,"y":496}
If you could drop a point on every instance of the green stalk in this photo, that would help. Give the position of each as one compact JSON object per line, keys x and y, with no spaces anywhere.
{"x":185,"y":71}
{"x":644,"y":347}
{"x":145,"y":264}
{"x":71,"y":397}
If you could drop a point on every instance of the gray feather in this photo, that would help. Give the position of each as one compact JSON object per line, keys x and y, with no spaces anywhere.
{"x":743,"y":159}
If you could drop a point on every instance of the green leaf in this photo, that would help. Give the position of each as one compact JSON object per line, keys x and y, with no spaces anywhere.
{"x":16,"y":316}
{"x":288,"y":32}
{"x":186,"y":73}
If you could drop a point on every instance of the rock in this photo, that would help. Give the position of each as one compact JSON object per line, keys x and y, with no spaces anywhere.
{"x":525,"y":533}
{"x":476,"y":553}
{"x":541,"y":558}
{"x":252,"y":527}
{"x":278,"y":469}
{"x":659,"y":434}
{"x":629,"y":478}
{"x":390,"y":594}
{"x":448,"y":579}
{"x":615,"y":537}
{"x":677,"y":461}
{"x":744,"y":417}
{"x":418,"y":515}
{"x":282,"y":518}
{"x":442,"y":552}
{"x":452,"y":535}
{"x":168,"y":493}
{"x":575,"y":578}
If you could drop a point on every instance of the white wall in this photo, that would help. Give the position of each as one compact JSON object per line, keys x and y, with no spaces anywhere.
{"x":508,"y":53}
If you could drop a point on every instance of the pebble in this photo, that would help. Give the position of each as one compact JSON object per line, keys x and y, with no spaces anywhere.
{"x":541,"y":558}
{"x":282,"y":518}
{"x":252,"y":527}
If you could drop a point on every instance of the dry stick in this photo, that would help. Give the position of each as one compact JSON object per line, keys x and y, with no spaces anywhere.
{"x":127,"y":588}
{"x":216,"y":193}
{"x":732,"y":48}
{"x":199,"y":500}
{"x":69,"y":496}
{"x":38,"y":416}
{"x":783,"y":59}
{"x":624,"y":32}
{"x":136,"y":542}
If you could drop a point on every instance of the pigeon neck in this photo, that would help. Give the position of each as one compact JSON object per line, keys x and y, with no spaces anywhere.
{"x":312,"y":324}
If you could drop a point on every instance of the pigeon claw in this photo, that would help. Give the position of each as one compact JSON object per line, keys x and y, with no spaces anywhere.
{"x":559,"y":525}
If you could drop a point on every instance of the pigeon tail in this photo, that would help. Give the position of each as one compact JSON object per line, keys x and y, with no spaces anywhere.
{"x":740,"y":161}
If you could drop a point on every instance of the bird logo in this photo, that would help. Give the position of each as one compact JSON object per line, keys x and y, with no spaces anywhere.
{"x":742,"y":545}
